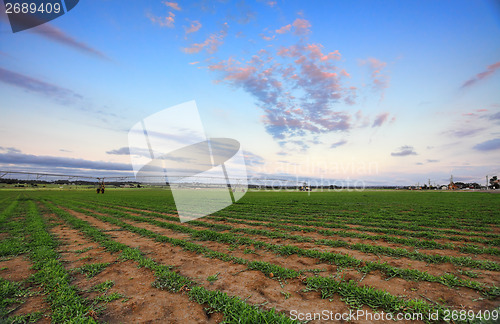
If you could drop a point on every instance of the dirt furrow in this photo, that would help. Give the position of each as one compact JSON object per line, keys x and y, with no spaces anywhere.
{"x":141,"y":302}
{"x":395,"y":286}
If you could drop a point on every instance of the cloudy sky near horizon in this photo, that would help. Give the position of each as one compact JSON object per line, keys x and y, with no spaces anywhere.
{"x":388,"y":92}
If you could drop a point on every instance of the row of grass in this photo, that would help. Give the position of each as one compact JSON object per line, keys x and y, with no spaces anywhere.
{"x":12,"y":292}
{"x":335,"y":258}
{"x":434,"y":209}
{"x":66,"y":304}
{"x":358,"y":295}
{"x":234,"y":309}
{"x":280,"y":226}
{"x":367,"y":248}
{"x":14,"y":243}
{"x":375,"y":228}
{"x":413,"y":242}
{"x":318,"y":221}
{"x":27,"y":234}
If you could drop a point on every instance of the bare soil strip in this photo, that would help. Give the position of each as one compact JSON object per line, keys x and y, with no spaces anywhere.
{"x":141,"y":302}
{"x":196,"y":266}
{"x":353,"y":228}
{"x":233,"y":279}
{"x":487,"y":277}
{"x":18,"y":269}
{"x":354,"y":240}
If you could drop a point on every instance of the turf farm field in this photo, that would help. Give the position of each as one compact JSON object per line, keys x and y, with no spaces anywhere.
{"x":272,"y":257}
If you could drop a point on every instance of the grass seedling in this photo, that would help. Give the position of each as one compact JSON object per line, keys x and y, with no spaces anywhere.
{"x":103,"y":286}
{"x":213,"y":277}
{"x":93,"y":269}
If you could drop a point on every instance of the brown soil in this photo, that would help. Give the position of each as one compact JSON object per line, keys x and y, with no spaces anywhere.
{"x":258,"y":288}
{"x":233,"y":279}
{"x":354,"y":240}
{"x":19,"y":269}
{"x":488,"y":277}
{"x":142,"y":303}
{"x":352,"y":229}
{"x":16,"y":268}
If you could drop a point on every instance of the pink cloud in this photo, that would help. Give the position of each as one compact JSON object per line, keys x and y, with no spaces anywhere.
{"x":271,"y":3}
{"x":167,"y":21}
{"x":194,"y":26}
{"x":267,"y":38}
{"x":284,"y":29}
{"x":173,"y":5}
{"x":211,"y":44}
{"x":483,"y":75}
{"x":380,"y":80}
{"x":316,"y":53}
{"x":351,"y":95}
{"x":297,"y":94}
{"x":301,"y":26}
{"x":344,"y":73}
{"x":380,"y":120}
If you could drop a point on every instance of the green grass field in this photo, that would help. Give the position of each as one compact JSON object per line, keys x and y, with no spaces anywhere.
{"x":266,"y":258}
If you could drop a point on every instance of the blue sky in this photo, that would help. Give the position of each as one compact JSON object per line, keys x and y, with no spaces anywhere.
{"x":388,"y":92}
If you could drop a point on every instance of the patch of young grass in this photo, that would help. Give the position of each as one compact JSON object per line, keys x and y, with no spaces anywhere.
{"x":108,"y":298}
{"x":213,"y":278}
{"x":83,"y":250}
{"x":10,"y":291}
{"x":103,"y":286}
{"x":26,"y":318}
{"x":233,"y":308}
{"x":92,"y":269}
{"x":66,"y":304}
{"x":335,"y":258}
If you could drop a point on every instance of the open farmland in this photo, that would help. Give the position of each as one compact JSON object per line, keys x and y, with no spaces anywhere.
{"x":124,"y":256}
